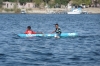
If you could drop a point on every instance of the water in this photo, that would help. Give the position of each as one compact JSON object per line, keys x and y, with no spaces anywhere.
{"x":83,"y":50}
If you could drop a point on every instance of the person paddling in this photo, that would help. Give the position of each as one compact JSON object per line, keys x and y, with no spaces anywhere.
{"x":57,"y":31}
{"x":29,"y":31}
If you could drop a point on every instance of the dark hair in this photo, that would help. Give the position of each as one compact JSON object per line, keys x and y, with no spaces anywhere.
{"x":29,"y":27}
{"x":56,"y":24}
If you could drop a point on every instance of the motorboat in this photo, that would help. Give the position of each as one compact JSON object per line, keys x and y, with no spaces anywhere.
{"x":75,"y":11}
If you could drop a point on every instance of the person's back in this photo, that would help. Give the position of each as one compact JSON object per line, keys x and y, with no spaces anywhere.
{"x":29,"y":31}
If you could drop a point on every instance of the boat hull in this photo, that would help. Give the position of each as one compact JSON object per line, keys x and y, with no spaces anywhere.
{"x":74,"y":12}
{"x":48,"y":35}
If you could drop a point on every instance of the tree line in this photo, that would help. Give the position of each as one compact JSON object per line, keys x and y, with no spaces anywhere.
{"x":52,"y":3}
{"x":86,"y":2}
{"x":38,"y":2}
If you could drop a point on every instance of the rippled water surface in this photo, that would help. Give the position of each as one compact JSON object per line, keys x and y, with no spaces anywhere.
{"x":83,"y":50}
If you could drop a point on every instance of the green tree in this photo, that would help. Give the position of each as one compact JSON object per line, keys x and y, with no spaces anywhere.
{"x":12,"y":0}
{"x":78,"y":2}
{"x":38,"y":2}
{"x":57,"y":1}
{"x":87,"y":2}
{"x":62,"y":2}
{"x":19,"y":0}
{"x":22,"y":1}
{"x":99,"y":1}
{"x":1,"y":2}
{"x":46,"y":1}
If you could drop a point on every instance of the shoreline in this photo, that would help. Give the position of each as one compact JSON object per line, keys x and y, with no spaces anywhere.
{"x":56,"y":10}
{"x":92,"y":10}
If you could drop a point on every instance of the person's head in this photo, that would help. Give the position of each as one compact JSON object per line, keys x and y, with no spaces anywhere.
{"x":56,"y":25}
{"x":29,"y":27}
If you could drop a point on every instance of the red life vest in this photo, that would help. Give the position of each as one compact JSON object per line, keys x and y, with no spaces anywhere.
{"x":30,"y":32}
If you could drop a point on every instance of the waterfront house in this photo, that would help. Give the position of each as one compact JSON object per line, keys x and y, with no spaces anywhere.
{"x":28,"y":5}
{"x":8,"y":5}
{"x":11,"y":5}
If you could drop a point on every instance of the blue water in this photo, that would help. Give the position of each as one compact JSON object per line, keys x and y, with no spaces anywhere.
{"x":83,"y":50}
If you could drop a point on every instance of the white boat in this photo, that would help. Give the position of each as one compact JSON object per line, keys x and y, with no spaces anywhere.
{"x":75,"y":11}
{"x":23,"y":12}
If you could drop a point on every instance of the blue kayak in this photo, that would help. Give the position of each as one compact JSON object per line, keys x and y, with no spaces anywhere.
{"x":48,"y":35}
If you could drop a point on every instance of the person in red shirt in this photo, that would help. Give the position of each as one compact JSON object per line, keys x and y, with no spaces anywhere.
{"x":29,"y":31}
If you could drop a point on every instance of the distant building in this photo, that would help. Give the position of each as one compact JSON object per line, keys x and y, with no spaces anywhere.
{"x":8,"y":5}
{"x":95,"y":3}
{"x":11,"y":5}
{"x":26,"y":6}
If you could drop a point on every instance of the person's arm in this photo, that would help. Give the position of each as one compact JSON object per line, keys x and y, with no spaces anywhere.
{"x":53,"y":31}
{"x":33,"y":32}
{"x":25,"y":32}
{"x":39,"y":32}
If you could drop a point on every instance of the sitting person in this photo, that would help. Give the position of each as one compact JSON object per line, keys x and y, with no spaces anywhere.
{"x":29,"y":31}
{"x":57,"y":31}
